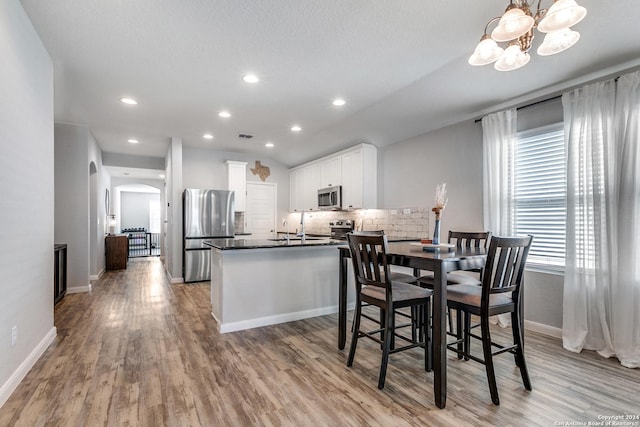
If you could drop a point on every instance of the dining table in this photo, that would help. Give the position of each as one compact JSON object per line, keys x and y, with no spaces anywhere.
{"x":440,"y":260}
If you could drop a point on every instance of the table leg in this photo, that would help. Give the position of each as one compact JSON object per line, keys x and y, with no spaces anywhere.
{"x":342,"y":301}
{"x":440,"y":337}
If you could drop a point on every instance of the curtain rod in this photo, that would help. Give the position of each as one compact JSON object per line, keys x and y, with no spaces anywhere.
{"x":542,"y":101}
{"x":553,"y":98}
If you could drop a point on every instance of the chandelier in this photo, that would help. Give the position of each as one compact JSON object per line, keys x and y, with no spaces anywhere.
{"x":515,"y":28}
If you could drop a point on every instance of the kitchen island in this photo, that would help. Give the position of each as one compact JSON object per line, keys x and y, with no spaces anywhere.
{"x":263,"y":282}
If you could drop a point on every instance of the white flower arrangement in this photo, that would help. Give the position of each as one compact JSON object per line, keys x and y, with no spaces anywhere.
{"x":441,"y":195}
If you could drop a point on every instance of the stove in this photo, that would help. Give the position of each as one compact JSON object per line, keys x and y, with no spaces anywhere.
{"x":340,"y":228}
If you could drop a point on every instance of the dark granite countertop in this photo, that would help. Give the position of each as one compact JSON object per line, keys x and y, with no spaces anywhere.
{"x":294,"y":242}
{"x":232,"y":244}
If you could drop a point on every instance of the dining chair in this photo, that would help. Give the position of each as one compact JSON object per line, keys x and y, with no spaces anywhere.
{"x":394,"y":276}
{"x":501,"y":292}
{"x":374,"y":287}
{"x":462,"y":239}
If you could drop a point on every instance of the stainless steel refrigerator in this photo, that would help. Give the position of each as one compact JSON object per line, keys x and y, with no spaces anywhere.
{"x":206,"y":214}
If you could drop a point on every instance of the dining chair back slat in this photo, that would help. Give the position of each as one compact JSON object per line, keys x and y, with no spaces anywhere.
{"x":470,"y":239}
{"x":505,"y":267}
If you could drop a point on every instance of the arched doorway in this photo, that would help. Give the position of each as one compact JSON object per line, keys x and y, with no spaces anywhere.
{"x":138,"y":209}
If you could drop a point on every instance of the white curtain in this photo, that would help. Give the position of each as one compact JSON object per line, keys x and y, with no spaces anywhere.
{"x":499,"y":136}
{"x":601,"y":289}
{"x":626,"y":287}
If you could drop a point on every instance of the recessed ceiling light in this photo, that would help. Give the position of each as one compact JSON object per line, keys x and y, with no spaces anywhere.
{"x":129,"y":101}
{"x":339,"y":102}
{"x":207,"y":136}
{"x":296,"y":128}
{"x":251,"y":78}
{"x":224,"y":114}
{"x":269,"y":145}
{"x":133,"y":141}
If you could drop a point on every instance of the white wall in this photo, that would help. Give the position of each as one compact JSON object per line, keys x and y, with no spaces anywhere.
{"x":104,"y":182}
{"x":204,"y":168}
{"x":413,"y":168}
{"x":173,"y":197}
{"x":134,"y":209}
{"x":75,"y":150}
{"x":72,"y":199}
{"x":26,"y":196}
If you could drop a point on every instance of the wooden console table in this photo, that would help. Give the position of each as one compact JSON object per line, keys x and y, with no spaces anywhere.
{"x":116,"y":251}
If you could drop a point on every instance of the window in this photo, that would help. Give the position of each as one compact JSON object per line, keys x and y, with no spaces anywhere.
{"x":540,"y":194}
{"x":154,"y":215}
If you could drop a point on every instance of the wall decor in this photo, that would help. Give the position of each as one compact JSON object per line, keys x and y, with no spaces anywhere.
{"x":262,"y":171}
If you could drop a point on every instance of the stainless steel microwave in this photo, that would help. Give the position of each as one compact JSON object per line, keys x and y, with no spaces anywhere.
{"x":330,"y":198}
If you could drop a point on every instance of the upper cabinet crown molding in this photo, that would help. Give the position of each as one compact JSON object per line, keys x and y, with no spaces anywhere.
{"x":354,"y":168}
{"x":237,"y":182}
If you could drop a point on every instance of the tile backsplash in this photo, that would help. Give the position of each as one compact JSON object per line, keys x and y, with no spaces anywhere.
{"x":401,"y":222}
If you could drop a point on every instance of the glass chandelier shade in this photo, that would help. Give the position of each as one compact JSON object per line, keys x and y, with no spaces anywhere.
{"x":516,"y":27}
{"x":562,"y":14}
{"x":512,"y":25}
{"x":486,"y":52}
{"x":512,"y":59}
{"x":557,"y":41}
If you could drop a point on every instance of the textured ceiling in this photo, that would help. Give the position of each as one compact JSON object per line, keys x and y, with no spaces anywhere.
{"x":401,"y":66}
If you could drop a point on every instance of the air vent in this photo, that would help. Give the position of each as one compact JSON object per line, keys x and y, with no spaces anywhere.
{"x":245,"y":135}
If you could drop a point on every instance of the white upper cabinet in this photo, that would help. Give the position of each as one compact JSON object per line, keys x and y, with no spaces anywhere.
{"x":355,"y":169}
{"x":296,"y":190}
{"x":311,"y":187}
{"x":237,"y":182}
{"x":331,"y":172}
{"x":360,"y":178}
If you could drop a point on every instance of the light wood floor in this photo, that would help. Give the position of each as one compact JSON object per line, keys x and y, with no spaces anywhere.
{"x":138,"y":351}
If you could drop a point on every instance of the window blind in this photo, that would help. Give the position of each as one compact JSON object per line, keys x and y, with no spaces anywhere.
{"x":540,"y":195}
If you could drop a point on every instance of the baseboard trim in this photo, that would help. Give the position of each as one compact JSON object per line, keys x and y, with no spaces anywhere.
{"x":79,"y":289}
{"x":97,"y":276}
{"x":540,"y":328}
{"x":14,"y":380}
{"x":273,"y":320}
{"x":171,"y":279}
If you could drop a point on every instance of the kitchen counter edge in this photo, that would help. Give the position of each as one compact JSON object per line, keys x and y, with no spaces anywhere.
{"x":234,"y":244}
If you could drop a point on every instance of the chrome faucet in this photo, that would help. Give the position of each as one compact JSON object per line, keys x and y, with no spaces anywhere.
{"x":301,"y":233}
{"x":285,"y":224}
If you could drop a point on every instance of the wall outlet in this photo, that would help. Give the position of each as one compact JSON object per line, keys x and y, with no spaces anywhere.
{"x":14,"y":336}
{"x":406,"y":211}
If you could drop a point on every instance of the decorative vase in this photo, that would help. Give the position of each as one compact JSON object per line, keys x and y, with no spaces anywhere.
{"x":436,"y":233}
